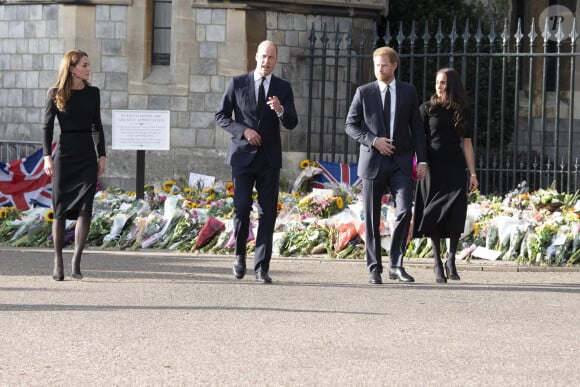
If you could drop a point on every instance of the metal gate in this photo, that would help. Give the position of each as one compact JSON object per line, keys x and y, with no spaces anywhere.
{"x":521,"y":87}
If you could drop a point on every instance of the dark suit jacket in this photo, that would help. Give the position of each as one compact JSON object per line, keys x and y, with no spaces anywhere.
{"x":240,"y":98}
{"x":365,"y":122}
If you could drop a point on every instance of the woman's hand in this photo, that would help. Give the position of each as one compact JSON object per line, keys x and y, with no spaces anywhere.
{"x":48,"y":165}
{"x":102,"y":165}
{"x":473,"y":183}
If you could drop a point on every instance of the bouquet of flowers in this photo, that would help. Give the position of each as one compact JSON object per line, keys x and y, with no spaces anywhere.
{"x":301,"y":240}
{"x":321,"y":205}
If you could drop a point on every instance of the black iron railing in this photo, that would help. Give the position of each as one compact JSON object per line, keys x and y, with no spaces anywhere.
{"x":521,"y":88}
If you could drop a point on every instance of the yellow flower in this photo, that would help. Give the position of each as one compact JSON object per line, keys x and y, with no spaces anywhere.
{"x":304,"y":164}
{"x":131,"y":193}
{"x":168,"y":185}
{"x":230,"y":185}
{"x":210,"y":198}
{"x":49,"y":216}
{"x":339,"y":202}
{"x":3,"y":213}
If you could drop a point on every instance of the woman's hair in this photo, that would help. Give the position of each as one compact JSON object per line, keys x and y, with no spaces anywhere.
{"x":454,"y":99}
{"x":63,"y":83}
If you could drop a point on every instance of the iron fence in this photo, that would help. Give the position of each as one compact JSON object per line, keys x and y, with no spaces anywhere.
{"x":15,"y":150}
{"x":521,"y":87}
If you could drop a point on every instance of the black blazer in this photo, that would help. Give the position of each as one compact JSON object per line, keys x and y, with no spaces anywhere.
{"x":365,"y":122}
{"x":240,"y":99}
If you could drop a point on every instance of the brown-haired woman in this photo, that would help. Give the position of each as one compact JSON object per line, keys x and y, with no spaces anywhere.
{"x":441,"y":198}
{"x":79,"y":159}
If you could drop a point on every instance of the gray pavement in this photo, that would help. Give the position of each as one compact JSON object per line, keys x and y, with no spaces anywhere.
{"x":165,"y":318}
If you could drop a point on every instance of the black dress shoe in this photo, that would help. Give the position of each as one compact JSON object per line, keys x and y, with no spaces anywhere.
{"x":263,"y":277}
{"x":240,"y":267}
{"x":375,"y":277}
{"x":401,"y":274}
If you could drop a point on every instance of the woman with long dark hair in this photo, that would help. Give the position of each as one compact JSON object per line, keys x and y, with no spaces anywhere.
{"x":79,"y":158}
{"x":441,"y":198}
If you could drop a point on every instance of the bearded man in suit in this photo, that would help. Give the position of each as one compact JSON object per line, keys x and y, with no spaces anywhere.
{"x":384,"y":118}
{"x":259,"y":102}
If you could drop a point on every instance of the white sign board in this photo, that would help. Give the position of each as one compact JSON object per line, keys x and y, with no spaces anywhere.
{"x":140,"y":129}
{"x":205,"y":181}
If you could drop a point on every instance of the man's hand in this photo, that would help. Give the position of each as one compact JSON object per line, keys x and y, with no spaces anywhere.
{"x":384,"y":146}
{"x":253,"y":137}
{"x":421,"y":171}
{"x":274,"y":104}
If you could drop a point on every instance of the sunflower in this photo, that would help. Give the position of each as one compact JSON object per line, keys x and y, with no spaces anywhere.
{"x":167,"y":185}
{"x":304,"y":164}
{"x":3,"y":213}
{"x":229,"y":185}
{"x":339,"y":202}
{"x":49,"y":216}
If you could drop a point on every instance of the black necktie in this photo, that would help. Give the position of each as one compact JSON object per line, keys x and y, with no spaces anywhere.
{"x":387,"y":110}
{"x":261,"y":96}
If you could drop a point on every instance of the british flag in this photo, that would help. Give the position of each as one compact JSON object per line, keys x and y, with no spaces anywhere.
{"x":23,"y":183}
{"x":335,"y":174}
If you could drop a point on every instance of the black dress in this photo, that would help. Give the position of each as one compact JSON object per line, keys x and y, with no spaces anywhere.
{"x":75,"y":164}
{"x":441,"y":198}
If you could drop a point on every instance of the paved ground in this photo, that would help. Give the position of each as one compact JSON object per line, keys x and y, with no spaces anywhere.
{"x":158,"y":318}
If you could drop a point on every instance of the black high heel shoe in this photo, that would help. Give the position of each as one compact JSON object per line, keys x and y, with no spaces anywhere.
{"x":58,"y":275}
{"x":451,"y":270}
{"x":76,"y":269}
{"x":439,"y":274}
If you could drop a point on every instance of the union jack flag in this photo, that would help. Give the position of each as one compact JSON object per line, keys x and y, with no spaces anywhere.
{"x":23,"y":183}
{"x":335,"y":174}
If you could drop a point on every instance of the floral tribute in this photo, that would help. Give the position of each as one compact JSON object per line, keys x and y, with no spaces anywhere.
{"x":539,"y":228}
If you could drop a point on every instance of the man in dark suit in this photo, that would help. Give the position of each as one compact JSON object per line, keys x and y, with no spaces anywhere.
{"x":259,"y":102}
{"x":384,"y":118}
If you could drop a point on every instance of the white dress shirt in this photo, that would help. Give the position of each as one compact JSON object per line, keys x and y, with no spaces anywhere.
{"x":393,"y":90}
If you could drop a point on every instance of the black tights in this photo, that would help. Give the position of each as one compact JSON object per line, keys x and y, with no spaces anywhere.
{"x":436,"y":245}
{"x":82,"y":227}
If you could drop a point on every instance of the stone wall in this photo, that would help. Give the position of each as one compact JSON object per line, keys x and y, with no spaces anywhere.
{"x":209,"y":46}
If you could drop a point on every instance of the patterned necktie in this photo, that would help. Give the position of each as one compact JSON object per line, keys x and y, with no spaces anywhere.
{"x":387,"y":111}
{"x":261,"y":96}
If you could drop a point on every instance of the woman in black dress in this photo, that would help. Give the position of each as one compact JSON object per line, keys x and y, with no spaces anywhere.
{"x":79,"y":159}
{"x":441,"y":198}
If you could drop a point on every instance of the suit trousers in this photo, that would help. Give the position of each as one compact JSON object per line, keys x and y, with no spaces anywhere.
{"x":400,"y":187}
{"x":267,"y":181}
